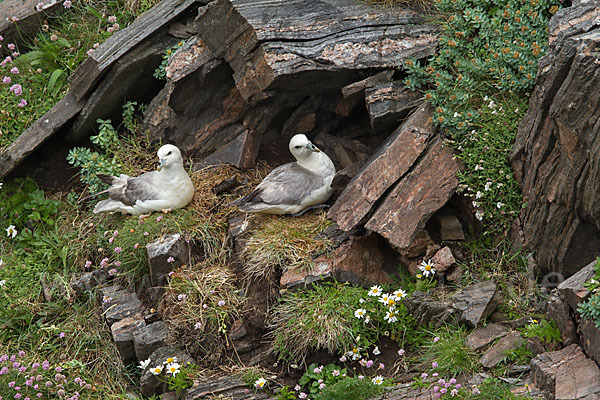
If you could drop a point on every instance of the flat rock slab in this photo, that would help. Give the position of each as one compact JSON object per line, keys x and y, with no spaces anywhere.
{"x":450,"y":227}
{"x":476,"y":302}
{"x":241,"y":152}
{"x":159,"y":253}
{"x":590,"y":335}
{"x":230,"y":387}
{"x":41,"y":130}
{"x":481,"y":337}
{"x":404,"y":212}
{"x":497,"y":352}
{"x":29,"y":19}
{"x":268,"y":42}
{"x":87,"y":75}
{"x":322,"y":270}
{"x":122,"y":332}
{"x":117,"y":312}
{"x":147,"y":338}
{"x":388,"y":103}
{"x":359,"y":87}
{"x":572,"y":289}
{"x":567,"y":374}
{"x":425,"y":310}
{"x":560,"y":312}
{"x":391,"y":161}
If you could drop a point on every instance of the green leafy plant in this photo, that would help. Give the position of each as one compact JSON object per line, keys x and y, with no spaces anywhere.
{"x":546,"y":330}
{"x":478,"y":83}
{"x":590,"y":308}
{"x":285,"y":393}
{"x":317,"y":377}
{"x":351,"y":389}
{"x":448,"y":349}
{"x":161,"y":71}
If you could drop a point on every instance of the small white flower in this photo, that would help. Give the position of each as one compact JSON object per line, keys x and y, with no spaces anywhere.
{"x":378,"y":380}
{"x":260,"y":382}
{"x":516,"y":110}
{"x":390,"y":316}
{"x":144,"y":364}
{"x":375,"y":291}
{"x":400,"y":294}
{"x":361,"y":301}
{"x":173,"y":368}
{"x":478,"y":167}
{"x":1,"y":183}
{"x":385,"y":299}
{"x":478,"y":195}
{"x":11,"y":231}
{"x":533,"y":321}
{"x":479,"y":215}
{"x":367,"y":319}
{"x":427,"y":268}
{"x":157,"y":370}
{"x":376,"y":351}
{"x":170,"y":360}
{"x":2,"y":282}
{"x":488,"y":186}
{"x":361,"y":312}
{"x":499,"y":205}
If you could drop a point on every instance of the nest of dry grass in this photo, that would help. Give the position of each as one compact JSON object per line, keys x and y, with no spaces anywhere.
{"x":284,"y":243}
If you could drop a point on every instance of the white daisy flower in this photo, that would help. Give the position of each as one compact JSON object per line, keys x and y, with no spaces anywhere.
{"x":260,"y":382}
{"x":144,"y":364}
{"x":170,"y":360}
{"x":499,"y":205}
{"x":173,"y":368}
{"x":11,"y":231}
{"x":157,"y":370}
{"x":400,"y":294}
{"x":361,"y":312}
{"x":390,"y":316}
{"x":378,"y":380}
{"x":479,"y":215}
{"x":427,"y":268}
{"x":375,"y":291}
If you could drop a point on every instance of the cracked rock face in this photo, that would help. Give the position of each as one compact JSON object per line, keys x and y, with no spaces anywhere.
{"x":556,"y":156}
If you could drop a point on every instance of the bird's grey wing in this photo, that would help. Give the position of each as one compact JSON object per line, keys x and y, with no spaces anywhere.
{"x":286,"y":184}
{"x":136,"y":188}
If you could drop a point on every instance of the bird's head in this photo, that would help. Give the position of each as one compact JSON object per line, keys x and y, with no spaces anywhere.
{"x":301,"y":147}
{"x":169,"y":155}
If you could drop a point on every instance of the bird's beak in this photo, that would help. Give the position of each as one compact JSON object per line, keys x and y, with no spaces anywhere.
{"x":312,"y":147}
{"x":161,"y":163}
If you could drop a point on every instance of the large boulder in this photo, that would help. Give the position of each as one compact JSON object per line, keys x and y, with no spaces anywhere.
{"x":556,"y":156}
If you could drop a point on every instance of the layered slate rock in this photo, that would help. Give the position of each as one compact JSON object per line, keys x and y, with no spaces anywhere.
{"x":497,"y":352}
{"x":557,"y":149}
{"x":147,"y":338}
{"x":416,"y":197}
{"x":241,"y":152}
{"x":476,"y":302}
{"x":122,"y":332}
{"x":118,"y":304}
{"x":559,"y":311}
{"x":310,"y":40}
{"x":481,"y":337}
{"x":389,"y":103}
{"x":572,"y":289}
{"x":426,"y":310}
{"x":159,"y":253}
{"x":391,"y":161}
{"x":229,"y":387}
{"x":567,"y":374}
{"x":590,"y":339}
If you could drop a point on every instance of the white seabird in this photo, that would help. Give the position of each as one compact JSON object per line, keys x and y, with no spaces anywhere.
{"x":295,"y":187}
{"x":168,"y":188}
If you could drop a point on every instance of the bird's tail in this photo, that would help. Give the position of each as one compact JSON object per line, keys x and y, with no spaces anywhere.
{"x":107,"y":206}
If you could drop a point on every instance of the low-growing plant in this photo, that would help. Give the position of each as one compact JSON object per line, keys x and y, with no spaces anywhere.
{"x":351,"y":389}
{"x":449,"y":352}
{"x":546,"y":330}
{"x":161,"y":71}
{"x":590,"y":308}
{"x":338,"y":318}
{"x":316,"y":378}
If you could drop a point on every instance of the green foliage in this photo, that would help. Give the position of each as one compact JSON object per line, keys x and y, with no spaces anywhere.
{"x":250,"y":376}
{"x":491,"y":389}
{"x":285,"y":393}
{"x":590,"y":308}
{"x":519,"y":356}
{"x":161,"y":71}
{"x":316,"y":375}
{"x":546,"y":330}
{"x":50,"y":57}
{"x":337,"y":317}
{"x":350,"y":389}
{"x":183,"y":380}
{"x":477,"y":81}
{"x":449,"y":351}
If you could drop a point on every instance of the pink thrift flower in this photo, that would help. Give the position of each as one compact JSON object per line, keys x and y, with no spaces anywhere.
{"x":61,"y":335}
{"x":117,"y":264}
{"x":135,"y":246}
{"x":110,"y":29}
{"x":96,"y":45}
{"x":53,"y":37}
{"x":14,"y":70}
{"x":343,"y":359}
{"x":88,"y":264}
{"x":221,"y":303}
{"x":181,"y":297}
{"x":170,"y":260}
{"x":381,"y":366}
{"x":104,"y":262}
{"x":16,"y":89}
{"x":22,"y":103}
{"x":159,"y":218}
{"x":116,"y":27}
{"x":16,"y":54}
{"x":452,"y":381}
{"x":146,"y":233}
{"x":424,"y":375}
{"x":369,"y":363}
{"x":436,"y":339}
{"x":197,"y":325}
{"x":11,"y":46}
{"x":1,"y":38}
{"x":118,"y":249}
{"x":8,"y":59}
{"x":39,"y":7}
{"x":112,"y":272}
{"x":434,"y":364}
{"x":90,"y":52}
{"x":112,"y":19}
{"x":112,"y":239}
{"x":7,"y":80}
{"x":67,"y":4}
{"x":401,"y":352}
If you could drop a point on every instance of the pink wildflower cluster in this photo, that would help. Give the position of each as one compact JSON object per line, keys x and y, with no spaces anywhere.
{"x":28,"y":381}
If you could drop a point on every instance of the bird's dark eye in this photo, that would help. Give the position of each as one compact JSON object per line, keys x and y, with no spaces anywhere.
{"x":169,"y":153}
{"x":297,"y":147}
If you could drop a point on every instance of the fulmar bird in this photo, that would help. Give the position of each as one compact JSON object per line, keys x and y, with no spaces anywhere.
{"x":295,"y":187}
{"x":168,"y":188}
